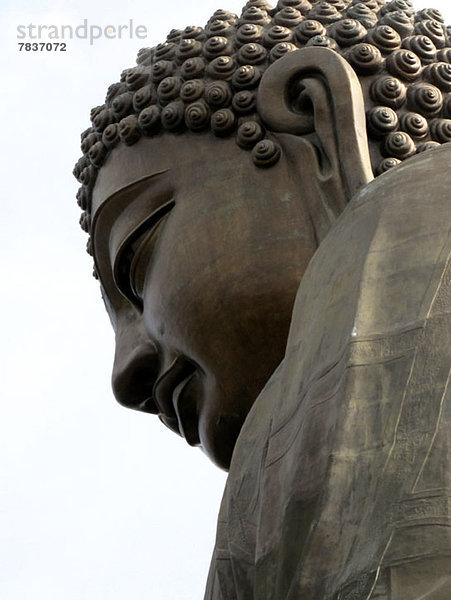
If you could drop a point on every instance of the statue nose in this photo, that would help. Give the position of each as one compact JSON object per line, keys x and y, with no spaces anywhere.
{"x":134,"y":376}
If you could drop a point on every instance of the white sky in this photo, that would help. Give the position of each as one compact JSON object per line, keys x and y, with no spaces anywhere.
{"x":96,"y":501}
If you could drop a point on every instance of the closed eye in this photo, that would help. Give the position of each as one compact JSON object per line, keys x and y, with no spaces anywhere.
{"x":133,"y":258}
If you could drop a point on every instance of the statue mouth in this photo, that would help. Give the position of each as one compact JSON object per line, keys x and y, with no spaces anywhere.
{"x":175,"y":395}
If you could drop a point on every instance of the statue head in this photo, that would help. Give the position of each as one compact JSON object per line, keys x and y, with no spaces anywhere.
{"x":215,"y":168}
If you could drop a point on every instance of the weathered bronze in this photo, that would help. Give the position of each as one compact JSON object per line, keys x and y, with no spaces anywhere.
{"x":277,"y":305}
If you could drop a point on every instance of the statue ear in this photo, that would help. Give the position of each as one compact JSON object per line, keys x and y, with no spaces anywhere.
{"x":315,"y":93}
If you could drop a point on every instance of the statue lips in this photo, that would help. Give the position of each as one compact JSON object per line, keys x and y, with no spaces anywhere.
{"x":184,"y":402}
{"x":177,"y":407}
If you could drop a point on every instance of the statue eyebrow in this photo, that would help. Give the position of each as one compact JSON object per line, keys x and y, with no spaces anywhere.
{"x":135,"y":186}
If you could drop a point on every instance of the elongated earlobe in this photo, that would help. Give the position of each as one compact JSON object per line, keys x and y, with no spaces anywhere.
{"x":315,"y":93}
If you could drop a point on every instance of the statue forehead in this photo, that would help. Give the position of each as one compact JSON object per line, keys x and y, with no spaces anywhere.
{"x":140,"y":182}
{"x":185,"y":157}
{"x":127,"y":165}
{"x":136,"y":181}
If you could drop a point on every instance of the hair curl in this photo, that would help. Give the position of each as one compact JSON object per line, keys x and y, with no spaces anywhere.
{"x":205,"y":79}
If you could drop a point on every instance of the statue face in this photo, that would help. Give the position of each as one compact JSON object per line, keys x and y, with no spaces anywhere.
{"x":200,"y":254}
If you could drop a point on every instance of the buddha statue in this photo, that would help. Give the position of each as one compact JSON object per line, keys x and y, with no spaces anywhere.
{"x":268,"y":209}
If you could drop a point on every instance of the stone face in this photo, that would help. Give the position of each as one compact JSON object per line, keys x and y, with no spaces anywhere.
{"x":277,"y":305}
{"x":192,"y":267}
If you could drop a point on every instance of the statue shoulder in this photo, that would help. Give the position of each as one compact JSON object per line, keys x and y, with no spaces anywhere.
{"x":425,"y":176}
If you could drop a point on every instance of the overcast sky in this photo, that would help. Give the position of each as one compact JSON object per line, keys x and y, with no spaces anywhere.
{"x":97,"y":502}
